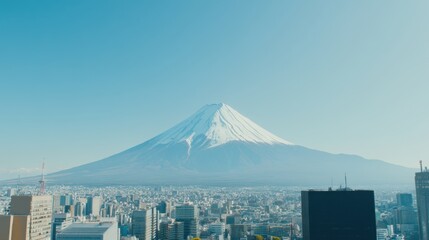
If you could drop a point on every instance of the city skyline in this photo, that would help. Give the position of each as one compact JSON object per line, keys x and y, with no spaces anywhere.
{"x":222,"y":213}
{"x":83,"y":80}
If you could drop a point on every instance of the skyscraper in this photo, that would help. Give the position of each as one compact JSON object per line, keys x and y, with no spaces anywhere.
{"x":188,"y":214}
{"x":239,"y":231}
{"x":60,"y":221}
{"x":217,"y":228}
{"x":93,"y":206}
{"x":80,"y":209}
{"x":406,"y":216}
{"x":14,"y":227}
{"x":145,"y":223}
{"x":171,"y":230}
{"x":164,"y":207}
{"x":39,"y":208}
{"x":404,"y":199}
{"x":233,"y":219}
{"x":338,"y":215}
{"x":422,"y":197}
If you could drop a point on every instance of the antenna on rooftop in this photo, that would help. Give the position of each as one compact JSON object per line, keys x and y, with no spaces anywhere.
{"x":18,"y":185}
{"x":42,"y":181}
{"x":345,"y":180}
{"x":421,"y":166}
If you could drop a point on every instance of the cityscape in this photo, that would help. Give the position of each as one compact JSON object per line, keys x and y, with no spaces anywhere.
{"x":212,"y":212}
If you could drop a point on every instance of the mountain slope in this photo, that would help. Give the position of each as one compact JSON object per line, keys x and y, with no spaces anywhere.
{"x":219,"y":145}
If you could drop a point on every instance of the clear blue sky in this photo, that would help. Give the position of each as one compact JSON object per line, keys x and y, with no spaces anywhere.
{"x":81,"y":80}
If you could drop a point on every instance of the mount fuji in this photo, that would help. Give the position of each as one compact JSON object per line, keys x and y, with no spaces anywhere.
{"x":218,"y":145}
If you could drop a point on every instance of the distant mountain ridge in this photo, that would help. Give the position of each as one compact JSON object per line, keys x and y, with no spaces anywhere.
{"x":218,"y":145}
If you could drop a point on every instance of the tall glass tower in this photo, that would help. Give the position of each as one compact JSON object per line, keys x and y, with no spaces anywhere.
{"x":422,"y":197}
{"x":338,"y":215}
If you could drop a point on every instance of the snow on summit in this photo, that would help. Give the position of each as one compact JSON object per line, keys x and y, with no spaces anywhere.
{"x":217,"y":124}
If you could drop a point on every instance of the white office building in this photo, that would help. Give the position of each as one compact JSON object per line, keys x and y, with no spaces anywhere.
{"x":90,"y":231}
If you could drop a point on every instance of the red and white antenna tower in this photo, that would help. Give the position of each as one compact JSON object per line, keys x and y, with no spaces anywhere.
{"x":42,"y":181}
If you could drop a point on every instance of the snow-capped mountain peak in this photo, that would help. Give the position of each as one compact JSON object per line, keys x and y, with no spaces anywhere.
{"x":219,"y":145}
{"x":217,"y":124}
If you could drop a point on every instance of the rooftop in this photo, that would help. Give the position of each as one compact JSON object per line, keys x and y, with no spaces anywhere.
{"x":86,"y":228}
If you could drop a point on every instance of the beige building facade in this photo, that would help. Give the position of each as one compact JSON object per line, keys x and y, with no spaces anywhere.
{"x":14,"y":227}
{"x":38,"y":212}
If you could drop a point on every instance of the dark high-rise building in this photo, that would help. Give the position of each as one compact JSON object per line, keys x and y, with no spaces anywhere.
{"x":66,"y":200}
{"x":145,"y":224}
{"x":164,"y":207}
{"x":171,"y":231}
{"x":338,"y":215}
{"x":80,"y":209}
{"x":406,"y":216}
{"x":60,"y":221}
{"x":422,"y":197}
{"x":404,"y":199}
{"x":233,"y":219}
{"x":239,"y":231}
{"x":406,"y":222}
{"x":142,"y":224}
{"x":188,"y":214}
{"x":93,"y":205}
